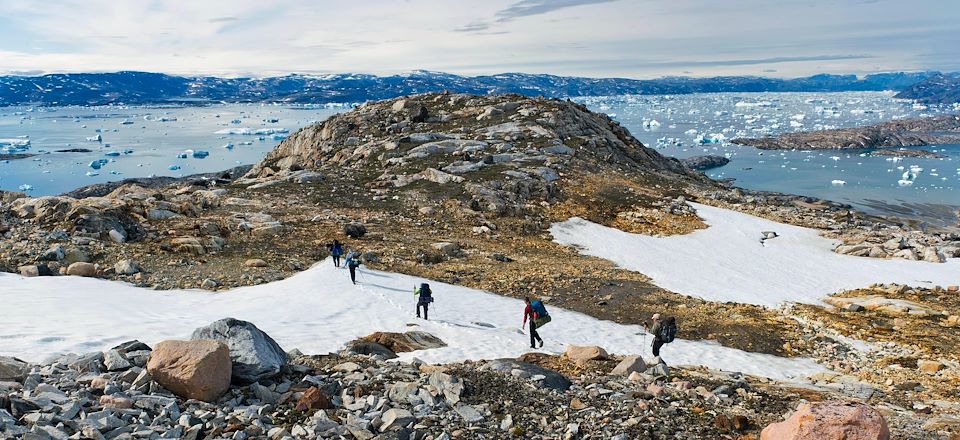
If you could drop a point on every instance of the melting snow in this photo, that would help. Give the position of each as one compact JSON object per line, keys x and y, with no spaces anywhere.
{"x":318,"y":311}
{"x":727,"y":262}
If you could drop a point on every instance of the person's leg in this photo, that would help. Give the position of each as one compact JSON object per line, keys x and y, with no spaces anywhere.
{"x":656,"y":347}
{"x":418,"y":310}
{"x":353,"y":274}
{"x":336,"y":261}
{"x":533,"y":335}
{"x":426,"y":311}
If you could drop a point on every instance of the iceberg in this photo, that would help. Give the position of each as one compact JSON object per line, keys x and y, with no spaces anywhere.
{"x":98,"y":163}
{"x":96,"y":138}
{"x":25,"y":187}
{"x":112,"y":153}
{"x":837,"y":182}
{"x":200,"y":154}
{"x":173,"y":167}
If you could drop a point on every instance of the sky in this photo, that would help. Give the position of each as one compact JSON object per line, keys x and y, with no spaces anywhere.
{"x":596,"y":38}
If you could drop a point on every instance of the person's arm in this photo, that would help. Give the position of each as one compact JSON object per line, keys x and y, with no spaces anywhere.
{"x":655,"y":329}
{"x":526,"y":311}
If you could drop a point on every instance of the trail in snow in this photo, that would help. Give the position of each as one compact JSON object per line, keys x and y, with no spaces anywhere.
{"x":726,"y":262}
{"x":318,"y":311}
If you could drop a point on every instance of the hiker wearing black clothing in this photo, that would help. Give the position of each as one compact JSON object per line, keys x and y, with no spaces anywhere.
{"x":336,"y":251}
{"x":538,"y":316}
{"x":424,"y":297}
{"x":353,"y":262}
{"x":663,"y":331}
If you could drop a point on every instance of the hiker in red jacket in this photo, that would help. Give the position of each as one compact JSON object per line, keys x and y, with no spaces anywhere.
{"x":538,"y":317}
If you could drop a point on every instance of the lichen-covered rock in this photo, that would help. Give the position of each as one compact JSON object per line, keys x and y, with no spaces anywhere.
{"x":832,"y":420}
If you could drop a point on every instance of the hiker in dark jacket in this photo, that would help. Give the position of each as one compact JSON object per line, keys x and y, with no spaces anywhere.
{"x":528,"y":312}
{"x":353,"y":262}
{"x":336,"y":251}
{"x":424,"y":297}
{"x":654,"y":329}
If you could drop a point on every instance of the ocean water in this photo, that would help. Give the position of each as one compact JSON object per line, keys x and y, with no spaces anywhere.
{"x":699,"y":124}
{"x":139,"y":141}
{"x":162,"y":140}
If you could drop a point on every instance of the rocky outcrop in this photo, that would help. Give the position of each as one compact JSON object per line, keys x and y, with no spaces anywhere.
{"x":198,"y":369}
{"x":830,"y":420}
{"x":506,"y":151}
{"x":898,"y":133}
{"x":703,"y":163}
{"x":254,"y":354}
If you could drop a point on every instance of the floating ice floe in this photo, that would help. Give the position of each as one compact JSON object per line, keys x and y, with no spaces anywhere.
{"x":96,"y":138}
{"x":92,"y":173}
{"x":112,"y":153}
{"x":96,"y":164}
{"x":200,"y":154}
{"x":126,"y":122}
{"x":838,"y":182}
{"x":25,"y":187}
{"x":252,"y":132}
{"x":173,"y":167}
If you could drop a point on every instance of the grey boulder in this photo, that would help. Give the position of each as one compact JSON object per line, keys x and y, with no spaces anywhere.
{"x":254,"y":354}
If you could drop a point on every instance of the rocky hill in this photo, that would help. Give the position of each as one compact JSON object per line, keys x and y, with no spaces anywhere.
{"x":157,"y":88}
{"x":937,"y":89}
{"x":899,"y":133}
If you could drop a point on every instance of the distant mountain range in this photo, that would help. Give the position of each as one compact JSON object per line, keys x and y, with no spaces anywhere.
{"x":937,"y":89}
{"x":156,"y":88}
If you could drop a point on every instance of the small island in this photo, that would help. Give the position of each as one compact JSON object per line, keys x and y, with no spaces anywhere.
{"x":900,"y":133}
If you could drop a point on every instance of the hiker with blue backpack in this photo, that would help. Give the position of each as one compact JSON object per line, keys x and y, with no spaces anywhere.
{"x":336,"y":251}
{"x":353,"y":262}
{"x":424,"y":297}
{"x":663,"y":332}
{"x":538,"y":315}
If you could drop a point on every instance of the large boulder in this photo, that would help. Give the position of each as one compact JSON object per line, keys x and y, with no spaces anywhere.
{"x":197,"y":369}
{"x":81,"y":269}
{"x":578,"y":353}
{"x":832,"y":420}
{"x":628,"y":365}
{"x":255,"y":354}
{"x":13,"y":369}
{"x":404,"y":342}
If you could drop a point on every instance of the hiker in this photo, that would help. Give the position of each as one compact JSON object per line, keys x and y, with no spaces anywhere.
{"x":353,"y":262}
{"x":336,"y":250}
{"x":424,"y":297}
{"x":663,"y":331}
{"x":538,"y":315}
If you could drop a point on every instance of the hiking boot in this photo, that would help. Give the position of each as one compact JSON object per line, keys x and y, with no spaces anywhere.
{"x":541,"y":343}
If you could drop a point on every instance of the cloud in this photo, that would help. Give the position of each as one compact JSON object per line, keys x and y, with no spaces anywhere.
{"x":223,"y":19}
{"x":526,"y":8}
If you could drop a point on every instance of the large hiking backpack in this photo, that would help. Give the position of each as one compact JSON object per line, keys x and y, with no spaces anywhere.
{"x":668,"y":330}
{"x":542,"y":317}
{"x":426,"y":295}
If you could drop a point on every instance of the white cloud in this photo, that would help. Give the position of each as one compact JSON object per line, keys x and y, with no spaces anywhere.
{"x":631,"y":38}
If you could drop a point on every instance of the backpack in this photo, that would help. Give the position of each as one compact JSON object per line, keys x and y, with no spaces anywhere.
{"x":353,"y":261}
{"x":668,"y":330}
{"x":426,"y":295}
{"x":538,"y":308}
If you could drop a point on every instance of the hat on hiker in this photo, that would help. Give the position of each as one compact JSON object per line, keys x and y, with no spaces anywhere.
{"x":656,"y":316}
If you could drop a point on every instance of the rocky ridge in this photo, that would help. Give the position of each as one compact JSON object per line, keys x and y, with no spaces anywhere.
{"x":898,"y":133}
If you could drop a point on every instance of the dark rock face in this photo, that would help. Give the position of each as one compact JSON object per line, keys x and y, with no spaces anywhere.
{"x":938,"y":89}
{"x":901,"y":133}
{"x":701,"y":163}
{"x":254,"y":354}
